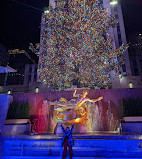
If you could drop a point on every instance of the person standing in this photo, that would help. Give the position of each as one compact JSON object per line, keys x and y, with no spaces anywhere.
{"x":32,"y":128}
{"x":67,"y":141}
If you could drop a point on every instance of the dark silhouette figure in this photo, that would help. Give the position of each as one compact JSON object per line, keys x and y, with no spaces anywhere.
{"x":67,"y":141}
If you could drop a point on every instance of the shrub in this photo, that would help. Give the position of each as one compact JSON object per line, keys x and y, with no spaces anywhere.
{"x":18,"y":111}
{"x":131,"y":107}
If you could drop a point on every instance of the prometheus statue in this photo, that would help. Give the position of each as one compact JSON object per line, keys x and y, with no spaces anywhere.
{"x":72,"y":111}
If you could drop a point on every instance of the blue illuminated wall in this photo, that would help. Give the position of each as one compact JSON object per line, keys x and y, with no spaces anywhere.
{"x":49,"y":146}
{"x":5,"y":100}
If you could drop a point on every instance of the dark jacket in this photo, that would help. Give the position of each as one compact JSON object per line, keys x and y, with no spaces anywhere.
{"x":68,"y":134}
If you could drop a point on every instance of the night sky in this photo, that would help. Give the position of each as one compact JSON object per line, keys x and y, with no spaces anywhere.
{"x":20,"y":25}
{"x":132,"y":13}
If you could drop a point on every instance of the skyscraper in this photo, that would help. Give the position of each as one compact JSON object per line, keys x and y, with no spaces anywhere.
{"x":118,"y":33}
{"x":135,"y":52}
{"x":18,"y":59}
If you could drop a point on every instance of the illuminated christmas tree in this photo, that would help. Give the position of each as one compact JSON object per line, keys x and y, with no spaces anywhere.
{"x":77,"y":47}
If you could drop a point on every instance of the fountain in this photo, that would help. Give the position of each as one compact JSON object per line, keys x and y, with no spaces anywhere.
{"x":75,"y":110}
{"x":91,"y":116}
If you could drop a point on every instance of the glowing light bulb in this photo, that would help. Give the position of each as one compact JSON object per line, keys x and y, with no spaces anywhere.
{"x":113,"y":3}
{"x":77,"y":120}
{"x":46,"y":11}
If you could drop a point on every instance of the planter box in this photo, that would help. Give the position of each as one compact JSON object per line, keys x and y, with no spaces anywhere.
{"x":132,"y":128}
{"x":15,"y":127}
{"x":133,"y":119}
{"x":132,"y":125}
{"x":16,"y":121}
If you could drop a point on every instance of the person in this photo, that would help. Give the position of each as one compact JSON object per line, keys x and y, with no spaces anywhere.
{"x":67,"y":141}
{"x":32,"y":127}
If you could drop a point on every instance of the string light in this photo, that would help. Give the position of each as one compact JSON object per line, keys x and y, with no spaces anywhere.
{"x":77,"y":47}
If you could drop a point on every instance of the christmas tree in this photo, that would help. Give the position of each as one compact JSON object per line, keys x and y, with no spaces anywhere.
{"x":77,"y":47}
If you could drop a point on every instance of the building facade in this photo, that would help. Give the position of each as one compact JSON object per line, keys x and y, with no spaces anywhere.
{"x":18,"y":60}
{"x":118,"y":33}
{"x":29,"y":81}
{"x":135,"y":52}
{"x":30,"y":75}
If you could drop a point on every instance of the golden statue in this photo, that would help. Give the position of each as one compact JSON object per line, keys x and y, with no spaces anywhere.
{"x":72,"y":111}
